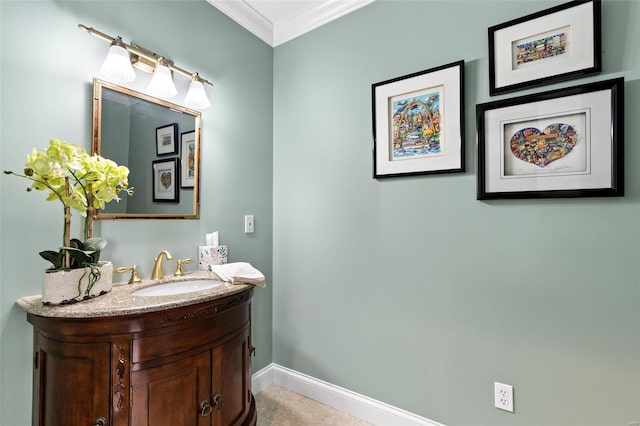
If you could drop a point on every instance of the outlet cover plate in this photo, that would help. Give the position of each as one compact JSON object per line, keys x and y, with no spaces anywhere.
{"x":503,"y":396}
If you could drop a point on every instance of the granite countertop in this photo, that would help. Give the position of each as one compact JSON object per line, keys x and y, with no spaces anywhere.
{"x":120,"y":301}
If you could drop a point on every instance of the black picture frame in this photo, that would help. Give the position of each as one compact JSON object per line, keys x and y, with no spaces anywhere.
{"x":552,"y":45}
{"x":167,"y":139}
{"x":440,"y":127}
{"x":562,"y":143}
{"x":165,"y":178}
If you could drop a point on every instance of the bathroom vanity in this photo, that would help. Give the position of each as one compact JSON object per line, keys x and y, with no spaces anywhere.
{"x":122,"y":359}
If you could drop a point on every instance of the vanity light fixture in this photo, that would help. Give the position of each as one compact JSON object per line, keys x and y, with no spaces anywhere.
{"x":122,"y":56}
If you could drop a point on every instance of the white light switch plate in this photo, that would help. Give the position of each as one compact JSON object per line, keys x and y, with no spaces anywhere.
{"x":248,"y":224}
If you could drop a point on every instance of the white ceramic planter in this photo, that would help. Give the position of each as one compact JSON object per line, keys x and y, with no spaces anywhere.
{"x":70,"y":286}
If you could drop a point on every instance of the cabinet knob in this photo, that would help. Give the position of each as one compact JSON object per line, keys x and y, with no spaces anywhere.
{"x":205,"y":408}
{"x":217,"y":401}
{"x":100,"y":421}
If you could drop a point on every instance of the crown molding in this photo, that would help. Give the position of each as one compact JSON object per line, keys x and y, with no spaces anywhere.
{"x":291,"y":27}
{"x":246,"y":16}
{"x":312,"y":18}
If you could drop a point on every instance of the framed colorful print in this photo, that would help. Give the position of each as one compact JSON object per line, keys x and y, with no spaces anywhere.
{"x":552,"y":45}
{"x":165,"y":184}
{"x":187,"y":157}
{"x":418,"y":123}
{"x":561,"y":143}
{"x":166,"y":139}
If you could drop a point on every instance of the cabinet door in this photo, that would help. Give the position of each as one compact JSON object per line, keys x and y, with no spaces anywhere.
{"x":171,"y":394}
{"x":71,"y":382}
{"x":232,"y":380}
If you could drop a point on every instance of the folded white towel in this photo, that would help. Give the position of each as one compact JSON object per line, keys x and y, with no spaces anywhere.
{"x":238,"y":273}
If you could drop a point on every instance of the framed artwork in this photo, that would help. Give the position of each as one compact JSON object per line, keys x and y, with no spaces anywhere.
{"x":418,"y":123}
{"x":167,"y":139}
{"x":552,"y":45}
{"x":165,"y":180}
{"x":561,"y":143}
{"x":187,"y":158}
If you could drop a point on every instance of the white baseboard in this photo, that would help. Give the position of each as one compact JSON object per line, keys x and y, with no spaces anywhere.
{"x":354,"y":404}
{"x":262,"y":379}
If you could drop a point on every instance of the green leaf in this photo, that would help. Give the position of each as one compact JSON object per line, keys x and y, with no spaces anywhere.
{"x":76,"y":243}
{"x":79,"y":258}
{"x":97,"y":244}
{"x":55,"y":257}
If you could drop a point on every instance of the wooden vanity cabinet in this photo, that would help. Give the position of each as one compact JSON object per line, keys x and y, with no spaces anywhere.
{"x":64,"y":372}
{"x":182,"y":366}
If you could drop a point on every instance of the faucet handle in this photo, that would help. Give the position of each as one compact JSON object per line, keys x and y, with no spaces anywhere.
{"x":135,"y":278}
{"x":179,"y":267}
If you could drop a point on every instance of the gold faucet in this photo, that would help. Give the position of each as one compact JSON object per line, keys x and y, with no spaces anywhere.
{"x":157,"y":273}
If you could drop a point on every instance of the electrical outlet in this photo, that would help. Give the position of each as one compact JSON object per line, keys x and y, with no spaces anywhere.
{"x":503,"y":396}
{"x":248,"y":224}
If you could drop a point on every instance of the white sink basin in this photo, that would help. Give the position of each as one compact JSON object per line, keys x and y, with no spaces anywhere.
{"x":180,"y":287}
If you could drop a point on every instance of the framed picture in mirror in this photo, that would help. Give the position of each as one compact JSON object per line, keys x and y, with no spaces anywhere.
{"x":165,"y":185}
{"x":187,"y":159}
{"x":166,"y":139}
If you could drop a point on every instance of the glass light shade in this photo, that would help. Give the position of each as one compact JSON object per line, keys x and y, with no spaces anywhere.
{"x":196,"y":96}
{"x":117,"y":65}
{"x":162,"y":83}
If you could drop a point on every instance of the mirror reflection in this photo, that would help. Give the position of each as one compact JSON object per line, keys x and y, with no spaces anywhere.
{"x":160,"y":144}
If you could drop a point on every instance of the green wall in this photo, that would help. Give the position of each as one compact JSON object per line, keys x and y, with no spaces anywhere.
{"x":410,"y":291}
{"x":423,"y":313}
{"x":47,"y":66}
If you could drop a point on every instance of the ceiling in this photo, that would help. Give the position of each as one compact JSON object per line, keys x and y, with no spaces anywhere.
{"x":278,"y":21}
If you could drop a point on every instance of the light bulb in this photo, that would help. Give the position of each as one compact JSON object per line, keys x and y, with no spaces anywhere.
{"x":196,"y":96}
{"x":162,"y":83}
{"x":117,"y":64}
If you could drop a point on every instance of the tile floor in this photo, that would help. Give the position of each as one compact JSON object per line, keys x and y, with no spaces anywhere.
{"x":280,"y":407}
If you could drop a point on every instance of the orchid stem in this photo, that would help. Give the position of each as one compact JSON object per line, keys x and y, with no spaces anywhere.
{"x":67,"y":227}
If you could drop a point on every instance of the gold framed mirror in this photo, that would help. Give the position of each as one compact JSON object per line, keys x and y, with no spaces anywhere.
{"x":159,"y":142}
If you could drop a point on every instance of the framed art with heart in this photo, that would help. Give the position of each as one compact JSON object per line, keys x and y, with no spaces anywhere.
{"x":165,"y":180}
{"x":561,"y":143}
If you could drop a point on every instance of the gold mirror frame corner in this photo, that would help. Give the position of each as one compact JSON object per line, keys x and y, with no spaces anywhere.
{"x":98,"y":86}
